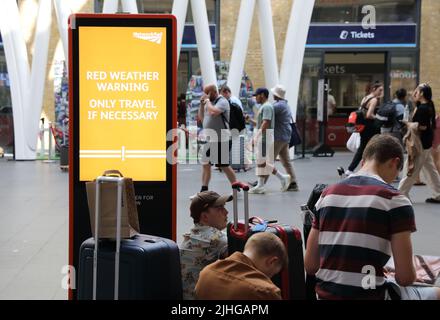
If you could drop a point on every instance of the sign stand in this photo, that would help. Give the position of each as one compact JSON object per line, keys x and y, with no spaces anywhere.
{"x":322,"y":149}
{"x":122,"y":98}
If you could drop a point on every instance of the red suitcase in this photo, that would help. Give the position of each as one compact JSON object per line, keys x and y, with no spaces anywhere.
{"x":290,"y":280}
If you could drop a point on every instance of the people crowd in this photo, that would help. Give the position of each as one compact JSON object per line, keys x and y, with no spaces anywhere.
{"x":362,"y":221}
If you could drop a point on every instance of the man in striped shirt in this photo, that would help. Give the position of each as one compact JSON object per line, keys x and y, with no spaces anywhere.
{"x":360,"y":223}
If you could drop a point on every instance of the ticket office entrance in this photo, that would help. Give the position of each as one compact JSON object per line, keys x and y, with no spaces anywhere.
{"x":349,"y":75}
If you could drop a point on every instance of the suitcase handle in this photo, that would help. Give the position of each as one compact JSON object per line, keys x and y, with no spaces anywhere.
{"x":108,"y":173}
{"x":237,"y":186}
{"x":240,"y":186}
{"x":120,"y":182}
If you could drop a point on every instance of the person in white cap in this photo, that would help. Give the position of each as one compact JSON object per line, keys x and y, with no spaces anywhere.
{"x":282,"y":132}
{"x":264,"y":142}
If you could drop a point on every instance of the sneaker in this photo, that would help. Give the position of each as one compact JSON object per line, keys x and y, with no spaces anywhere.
{"x":285,"y":183}
{"x":348,"y":173}
{"x":257,"y":190}
{"x":293,"y":187}
{"x":432,"y":200}
{"x":253,"y":184}
{"x":340,"y":170}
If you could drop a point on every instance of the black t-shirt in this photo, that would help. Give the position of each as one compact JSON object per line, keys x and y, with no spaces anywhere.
{"x":423,"y":116}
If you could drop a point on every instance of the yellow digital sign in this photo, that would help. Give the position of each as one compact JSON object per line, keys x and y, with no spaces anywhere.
{"x":122,"y":102}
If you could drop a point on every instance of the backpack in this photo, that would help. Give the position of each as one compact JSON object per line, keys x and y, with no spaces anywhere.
{"x":357,"y":119}
{"x":386,"y":115}
{"x":236,"y":117}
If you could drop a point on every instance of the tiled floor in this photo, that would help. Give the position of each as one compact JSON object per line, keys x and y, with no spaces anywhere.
{"x":34,"y":217}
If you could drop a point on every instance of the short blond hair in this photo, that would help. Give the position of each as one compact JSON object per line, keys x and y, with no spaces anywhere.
{"x":266,"y":244}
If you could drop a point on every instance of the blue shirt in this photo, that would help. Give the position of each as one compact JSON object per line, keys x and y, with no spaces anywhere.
{"x":283,"y":118}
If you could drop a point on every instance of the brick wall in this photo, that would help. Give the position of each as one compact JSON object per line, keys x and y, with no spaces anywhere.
{"x":254,"y":60}
{"x":430,"y":47}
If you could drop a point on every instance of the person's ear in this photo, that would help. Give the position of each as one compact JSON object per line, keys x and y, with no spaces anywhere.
{"x":204,"y":217}
{"x":273,"y":261}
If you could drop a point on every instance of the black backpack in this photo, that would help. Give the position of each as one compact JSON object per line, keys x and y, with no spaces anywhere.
{"x":386,"y":115}
{"x":236,"y":117}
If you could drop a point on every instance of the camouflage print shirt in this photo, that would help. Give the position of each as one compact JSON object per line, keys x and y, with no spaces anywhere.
{"x":202,"y":246}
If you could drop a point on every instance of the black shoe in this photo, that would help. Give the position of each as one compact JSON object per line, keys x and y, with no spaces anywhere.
{"x":341,"y":171}
{"x":432,"y":200}
{"x":293,"y":187}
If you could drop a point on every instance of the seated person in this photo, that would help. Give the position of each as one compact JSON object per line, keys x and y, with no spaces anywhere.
{"x":247,"y":275}
{"x":206,"y":242}
{"x":360,"y":223}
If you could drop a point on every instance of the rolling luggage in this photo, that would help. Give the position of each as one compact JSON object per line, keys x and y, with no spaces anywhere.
{"x":308,"y":213}
{"x":291,"y":281}
{"x":308,"y":210}
{"x":142,"y":267}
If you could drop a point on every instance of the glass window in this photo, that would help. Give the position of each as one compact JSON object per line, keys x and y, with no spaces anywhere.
{"x":350,"y":11}
{"x":307,"y":99}
{"x":350,"y":75}
{"x":210,"y":7}
{"x":183,"y":73}
{"x":403,"y":72}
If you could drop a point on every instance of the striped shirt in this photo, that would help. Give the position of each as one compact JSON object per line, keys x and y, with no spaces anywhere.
{"x":356,"y":219}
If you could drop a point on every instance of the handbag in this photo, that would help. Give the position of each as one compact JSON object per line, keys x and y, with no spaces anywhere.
{"x":354,"y":142}
{"x":108,"y":207}
{"x":295,"y":138}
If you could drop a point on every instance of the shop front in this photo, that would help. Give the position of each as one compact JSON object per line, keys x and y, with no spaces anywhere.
{"x":351,"y":57}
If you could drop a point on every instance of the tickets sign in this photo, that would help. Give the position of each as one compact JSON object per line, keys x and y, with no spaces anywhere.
{"x":122,"y":102}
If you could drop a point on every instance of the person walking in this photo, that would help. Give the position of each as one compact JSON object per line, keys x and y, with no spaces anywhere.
{"x":283,"y":132}
{"x":400,"y":103}
{"x":214,"y":114}
{"x":369,"y":105}
{"x":424,"y":122}
{"x":263,"y":139}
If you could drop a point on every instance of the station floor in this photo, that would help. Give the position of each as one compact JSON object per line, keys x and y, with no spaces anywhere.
{"x":34,"y":217}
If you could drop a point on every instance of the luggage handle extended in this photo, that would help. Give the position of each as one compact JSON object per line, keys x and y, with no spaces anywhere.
{"x":120,"y":183}
{"x":237,"y":186}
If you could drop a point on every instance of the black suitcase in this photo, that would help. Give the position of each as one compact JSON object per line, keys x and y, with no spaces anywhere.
{"x":308,"y":213}
{"x":149,"y":269}
{"x":309,"y":210}
{"x":291,"y":281}
{"x":143,"y":267}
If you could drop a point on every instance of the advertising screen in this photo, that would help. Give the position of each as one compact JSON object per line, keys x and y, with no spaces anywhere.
{"x":122,"y":105}
{"x":122,"y":102}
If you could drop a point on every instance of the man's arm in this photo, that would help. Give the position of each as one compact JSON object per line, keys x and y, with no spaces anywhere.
{"x":213,"y":110}
{"x":201,"y":112}
{"x":311,"y":259}
{"x":252,"y":121}
{"x":262,"y":131}
{"x":403,"y":258}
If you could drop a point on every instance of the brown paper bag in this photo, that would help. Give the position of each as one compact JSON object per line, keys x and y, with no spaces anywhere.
{"x":108,"y":195}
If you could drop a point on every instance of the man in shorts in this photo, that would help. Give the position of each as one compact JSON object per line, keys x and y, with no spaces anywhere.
{"x":214,"y":114}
